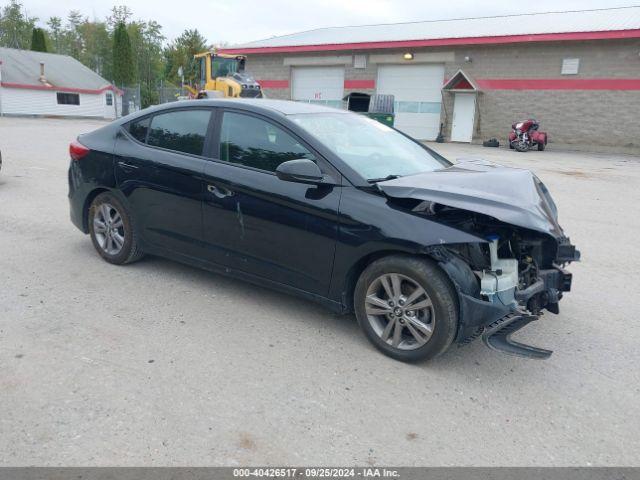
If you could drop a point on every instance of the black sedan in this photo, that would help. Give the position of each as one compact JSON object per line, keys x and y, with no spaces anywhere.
{"x":332,"y":206}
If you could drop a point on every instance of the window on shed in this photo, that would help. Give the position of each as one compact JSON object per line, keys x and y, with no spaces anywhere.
{"x":181,"y":130}
{"x":68,"y":98}
{"x":109,"y":99}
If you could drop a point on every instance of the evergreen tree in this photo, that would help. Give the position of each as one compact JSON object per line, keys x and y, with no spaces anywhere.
{"x":180,"y":52}
{"x":38,"y":43}
{"x":123,"y":67}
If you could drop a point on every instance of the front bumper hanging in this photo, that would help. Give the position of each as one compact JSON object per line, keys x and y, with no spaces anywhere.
{"x":497,"y":336}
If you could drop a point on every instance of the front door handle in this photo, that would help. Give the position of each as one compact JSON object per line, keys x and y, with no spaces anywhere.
{"x":220,"y":192}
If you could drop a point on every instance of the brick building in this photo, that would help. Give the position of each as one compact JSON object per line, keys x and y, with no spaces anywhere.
{"x":578,"y":73}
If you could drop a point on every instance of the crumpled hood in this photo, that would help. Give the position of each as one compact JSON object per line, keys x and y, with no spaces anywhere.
{"x":511,"y":195}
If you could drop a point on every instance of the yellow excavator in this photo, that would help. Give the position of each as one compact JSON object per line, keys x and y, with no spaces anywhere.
{"x":221,"y":75}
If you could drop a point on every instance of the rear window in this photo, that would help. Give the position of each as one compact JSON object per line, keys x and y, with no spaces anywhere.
{"x":182,"y":131}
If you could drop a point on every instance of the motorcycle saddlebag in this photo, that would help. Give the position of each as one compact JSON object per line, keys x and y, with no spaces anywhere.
{"x":539,"y":137}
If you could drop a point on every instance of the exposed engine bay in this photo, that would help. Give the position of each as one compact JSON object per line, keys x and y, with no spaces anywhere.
{"x":516,"y":269}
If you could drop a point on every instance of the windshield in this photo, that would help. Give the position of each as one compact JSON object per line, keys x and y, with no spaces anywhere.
{"x":372,"y":149}
{"x":222,"y":67}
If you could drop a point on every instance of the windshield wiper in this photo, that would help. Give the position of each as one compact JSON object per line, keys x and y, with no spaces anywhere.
{"x":382,"y":179}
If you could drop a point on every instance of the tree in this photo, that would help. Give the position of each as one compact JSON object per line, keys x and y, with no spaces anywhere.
{"x":119,"y":14}
{"x":16,"y":27}
{"x":123,"y":67}
{"x":96,"y":50}
{"x":56,"y":34}
{"x":73,"y":43}
{"x":38,"y":43}
{"x":146,"y":44}
{"x":180,"y":53}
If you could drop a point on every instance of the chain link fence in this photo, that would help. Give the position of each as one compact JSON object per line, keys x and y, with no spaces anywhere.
{"x":131,"y":100}
{"x":170,"y":93}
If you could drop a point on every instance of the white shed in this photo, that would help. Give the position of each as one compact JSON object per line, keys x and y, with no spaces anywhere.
{"x":36,"y":83}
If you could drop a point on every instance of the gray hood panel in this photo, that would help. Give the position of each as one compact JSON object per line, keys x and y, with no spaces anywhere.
{"x":511,"y":195}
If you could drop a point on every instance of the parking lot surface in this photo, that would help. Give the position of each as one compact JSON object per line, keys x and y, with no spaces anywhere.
{"x":158,"y":363}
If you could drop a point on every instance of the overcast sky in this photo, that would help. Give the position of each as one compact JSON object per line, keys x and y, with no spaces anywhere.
{"x":240,"y":21}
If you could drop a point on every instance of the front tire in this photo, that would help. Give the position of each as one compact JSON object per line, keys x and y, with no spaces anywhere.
{"x":407,"y":307}
{"x":112,"y":230}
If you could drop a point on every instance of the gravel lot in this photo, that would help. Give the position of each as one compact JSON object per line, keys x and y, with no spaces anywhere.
{"x":162,"y":364}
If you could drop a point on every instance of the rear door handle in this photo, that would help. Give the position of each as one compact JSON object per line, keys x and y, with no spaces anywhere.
{"x":220,"y":192}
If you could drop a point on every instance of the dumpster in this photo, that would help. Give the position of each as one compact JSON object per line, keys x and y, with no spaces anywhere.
{"x":377,"y":107}
{"x":385,"y":118}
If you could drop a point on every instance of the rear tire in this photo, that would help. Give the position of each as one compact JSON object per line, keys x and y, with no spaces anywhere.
{"x":541,"y":146}
{"x":407,"y":307}
{"x":112,"y":230}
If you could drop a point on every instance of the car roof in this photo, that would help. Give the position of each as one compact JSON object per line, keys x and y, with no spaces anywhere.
{"x":283,"y":107}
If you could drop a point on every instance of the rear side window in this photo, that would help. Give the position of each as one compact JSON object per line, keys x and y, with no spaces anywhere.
{"x":182,"y":131}
{"x":138,"y":130}
{"x":253,"y":142}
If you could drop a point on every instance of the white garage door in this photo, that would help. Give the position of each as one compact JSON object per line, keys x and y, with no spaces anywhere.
{"x":323,"y":85}
{"x":418,"y":98}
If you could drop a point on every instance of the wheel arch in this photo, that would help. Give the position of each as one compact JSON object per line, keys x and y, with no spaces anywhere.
{"x":361,"y":264}
{"x":91,"y":197}
{"x":87,"y":203}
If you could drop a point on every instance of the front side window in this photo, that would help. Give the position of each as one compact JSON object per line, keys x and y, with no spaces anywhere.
{"x":182,"y":131}
{"x":68,"y":98}
{"x":370,"y":148}
{"x":256,"y":143}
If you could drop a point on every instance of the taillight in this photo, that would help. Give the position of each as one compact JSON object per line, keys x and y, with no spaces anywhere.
{"x":77,"y":150}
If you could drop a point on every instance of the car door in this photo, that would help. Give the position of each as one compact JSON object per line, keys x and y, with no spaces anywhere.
{"x":253,"y":221}
{"x":159,"y":164}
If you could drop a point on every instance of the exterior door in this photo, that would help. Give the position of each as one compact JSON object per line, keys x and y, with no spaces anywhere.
{"x":255,"y":222}
{"x":418,"y":98}
{"x":322,"y":85}
{"x":464,"y":113}
{"x":158,"y":167}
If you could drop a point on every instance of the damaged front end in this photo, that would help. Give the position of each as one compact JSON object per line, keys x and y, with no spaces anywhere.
{"x":507,"y":281}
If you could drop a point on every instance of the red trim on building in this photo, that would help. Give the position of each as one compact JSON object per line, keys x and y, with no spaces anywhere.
{"x":559,"y":83}
{"x":485,"y":84}
{"x":438,"y":42}
{"x":61,"y":89}
{"x":462,"y":84}
{"x":274,"y":83}
{"x":359,"y":84}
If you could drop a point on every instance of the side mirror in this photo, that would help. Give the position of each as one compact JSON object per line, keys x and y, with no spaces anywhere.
{"x":300,"y":171}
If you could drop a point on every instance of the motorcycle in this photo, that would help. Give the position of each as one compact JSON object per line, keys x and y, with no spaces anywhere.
{"x":525,"y":135}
